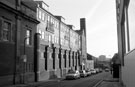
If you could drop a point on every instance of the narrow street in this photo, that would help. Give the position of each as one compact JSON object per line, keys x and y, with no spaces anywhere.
{"x":90,"y":81}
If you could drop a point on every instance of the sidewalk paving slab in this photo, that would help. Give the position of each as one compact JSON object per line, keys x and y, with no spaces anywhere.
{"x":32,"y":84}
{"x":109,"y":82}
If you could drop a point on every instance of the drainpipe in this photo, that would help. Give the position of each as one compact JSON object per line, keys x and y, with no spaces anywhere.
{"x":17,"y":42}
{"x":37,"y":56}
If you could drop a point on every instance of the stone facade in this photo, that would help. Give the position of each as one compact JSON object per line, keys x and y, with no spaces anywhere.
{"x":17,"y":24}
{"x":41,"y":45}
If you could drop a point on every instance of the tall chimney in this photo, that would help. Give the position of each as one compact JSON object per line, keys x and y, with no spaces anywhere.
{"x":83,"y":25}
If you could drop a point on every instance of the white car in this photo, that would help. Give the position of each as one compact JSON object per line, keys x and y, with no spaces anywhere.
{"x":97,"y":70}
{"x":107,"y":70}
{"x":93,"y":71}
{"x":73,"y":75}
{"x":88,"y":72}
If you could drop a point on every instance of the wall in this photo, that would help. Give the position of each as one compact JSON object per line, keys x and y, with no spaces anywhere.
{"x":7,"y":51}
{"x":128,"y":70}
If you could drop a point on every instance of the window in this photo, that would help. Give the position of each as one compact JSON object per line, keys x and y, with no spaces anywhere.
{"x":40,"y":14}
{"x":53,"y":22}
{"x":131,"y":17}
{"x":43,"y":35}
{"x":46,"y":38}
{"x":57,"y":40}
{"x":39,"y":31}
{"x":50,"y":26}
{"x":6,"y":32}
{"x":48,"y":18}
{"x":62,"y":41}
{"x":28,"y":37}
{"x":126,"y":33}
{"x":13,"y":33}
{"x":44,"y":6}
{"x":53,"y":38}
{"x":49,"y":38}
{"x":43,"y":16}
{"x":57,"y":25}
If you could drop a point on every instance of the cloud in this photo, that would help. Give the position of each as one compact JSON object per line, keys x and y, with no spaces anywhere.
{"x":93,"y":10}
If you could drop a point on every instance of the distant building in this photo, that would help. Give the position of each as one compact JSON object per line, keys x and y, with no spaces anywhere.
{"x":103,"y":62}
{"x":102,"y":58}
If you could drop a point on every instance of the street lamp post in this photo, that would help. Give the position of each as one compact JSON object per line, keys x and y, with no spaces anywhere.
{"x":24,"y":44}
{"x":24,"y":58}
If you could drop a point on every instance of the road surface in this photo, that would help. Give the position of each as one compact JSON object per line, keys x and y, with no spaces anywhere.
{"x":82,"y":82}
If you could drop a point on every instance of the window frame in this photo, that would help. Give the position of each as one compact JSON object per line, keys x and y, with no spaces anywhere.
{"x":39,"y":14}
{"x":8,"y":30}
{"x":130,"y":47}
{"x":29,"y":37}
{"x":11,"y":30}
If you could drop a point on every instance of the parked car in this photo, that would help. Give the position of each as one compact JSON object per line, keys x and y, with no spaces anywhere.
{"x":88,"y":72}
{"x":97,"y":70}
{"x":83,"y":73}
{"x":73,"y":74}
{"x":107,"y":70}
{"x":100,"y":70}
{"x":93,"y":71}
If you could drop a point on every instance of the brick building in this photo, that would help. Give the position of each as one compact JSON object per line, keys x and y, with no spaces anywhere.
{"x":17,"y":29}
{"x":42,"y":46}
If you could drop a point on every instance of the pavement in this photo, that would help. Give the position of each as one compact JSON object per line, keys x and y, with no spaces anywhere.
{"x":34,"y":84}
{"x":109,"y":82}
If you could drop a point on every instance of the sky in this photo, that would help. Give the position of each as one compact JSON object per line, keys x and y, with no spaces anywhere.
{"x":100,"y":22}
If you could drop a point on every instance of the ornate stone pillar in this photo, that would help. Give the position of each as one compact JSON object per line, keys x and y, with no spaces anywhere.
{"x":62,"y":58}
{"x":74,"y":58}
{"x":49,"y":58}
{"x":67,"y":59}
{"x":56,"y":58}
{"x":71,"y":59}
